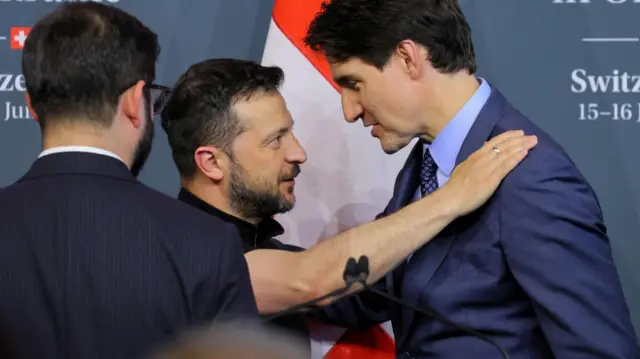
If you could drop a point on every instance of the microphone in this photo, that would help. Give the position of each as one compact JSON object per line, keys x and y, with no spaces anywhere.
{"x":361,"y":270}
{"x":351,"y":276}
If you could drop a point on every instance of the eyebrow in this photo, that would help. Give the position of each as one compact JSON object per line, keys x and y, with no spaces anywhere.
{"x":274,"y":134}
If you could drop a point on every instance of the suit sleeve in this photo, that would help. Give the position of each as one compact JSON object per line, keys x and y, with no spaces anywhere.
{"x":227,"y":294}
{"x":557,"y":248}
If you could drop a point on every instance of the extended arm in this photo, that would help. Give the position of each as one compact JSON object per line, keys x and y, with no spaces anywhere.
{"x":556,"y":246}
{"x":282,"y":279}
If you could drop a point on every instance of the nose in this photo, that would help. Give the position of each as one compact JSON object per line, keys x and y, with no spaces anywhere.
{"x":296,"y":154}
{"x":351,"y":107}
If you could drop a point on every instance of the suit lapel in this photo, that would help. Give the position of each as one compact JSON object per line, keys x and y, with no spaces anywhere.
{"x":481,"y":129}
{"x":406,"y":184}
{"x":419,"y":272}
{"x":407,"y":181}
{"x":426,"y":261}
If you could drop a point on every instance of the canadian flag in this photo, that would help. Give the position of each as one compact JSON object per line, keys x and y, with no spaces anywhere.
{"x":347,"y":179}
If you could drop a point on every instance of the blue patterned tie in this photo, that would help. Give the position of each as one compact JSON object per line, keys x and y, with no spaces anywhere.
{"x":428,"y":178}
{"x":428,"y":184}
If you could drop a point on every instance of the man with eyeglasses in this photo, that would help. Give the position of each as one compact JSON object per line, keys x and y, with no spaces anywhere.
{"x":93,"y":264}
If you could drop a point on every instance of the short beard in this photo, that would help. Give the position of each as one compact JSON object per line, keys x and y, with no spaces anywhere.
{"x":252,"y":199}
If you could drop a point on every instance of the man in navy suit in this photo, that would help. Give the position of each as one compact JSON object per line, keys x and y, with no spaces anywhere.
{"x":93,"y":264}
{"x":533,"y":267}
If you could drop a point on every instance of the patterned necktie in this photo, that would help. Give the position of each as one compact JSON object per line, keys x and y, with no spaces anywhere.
{"x":428,"y":178}
{"x":428,"y":184}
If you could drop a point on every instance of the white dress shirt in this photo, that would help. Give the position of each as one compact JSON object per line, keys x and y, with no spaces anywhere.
{"x":87,"y":149}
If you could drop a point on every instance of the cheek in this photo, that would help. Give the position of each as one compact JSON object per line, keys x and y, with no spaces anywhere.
{"x":270,"y":166}
{"x":381,"y":109}
{"x":374,"y":104}
{"x":400,"y":106}
{"x":385,"y":97}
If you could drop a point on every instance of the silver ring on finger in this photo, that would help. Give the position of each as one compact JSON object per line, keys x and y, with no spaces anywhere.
{"x":496,"y":150}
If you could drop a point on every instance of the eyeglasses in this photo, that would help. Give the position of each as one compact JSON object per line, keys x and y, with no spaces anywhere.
{"x":159,"y":95}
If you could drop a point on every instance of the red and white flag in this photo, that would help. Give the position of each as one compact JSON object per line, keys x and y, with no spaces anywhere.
{"x":18,"y":35}
{"x":347,"y":179}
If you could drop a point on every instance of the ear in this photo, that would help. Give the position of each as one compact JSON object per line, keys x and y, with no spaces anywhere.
{"x":211,"y":161}
{"x":28,"y":101}
{"x":412,"y":57}
{"x":131,"y":104}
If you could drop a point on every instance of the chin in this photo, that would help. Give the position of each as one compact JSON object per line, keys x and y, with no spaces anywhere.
{"x":391,"y":147}
{"x":287,"y":204}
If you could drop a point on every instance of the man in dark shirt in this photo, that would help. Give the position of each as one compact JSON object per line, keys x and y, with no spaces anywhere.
{"x":231,"y":137}
{"x":254,"y":236}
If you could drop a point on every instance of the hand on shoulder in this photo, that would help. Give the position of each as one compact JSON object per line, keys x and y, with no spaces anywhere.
{"x":474,"y":181}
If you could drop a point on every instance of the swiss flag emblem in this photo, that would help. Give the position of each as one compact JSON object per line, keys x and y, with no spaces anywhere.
{"x":18,"y":37}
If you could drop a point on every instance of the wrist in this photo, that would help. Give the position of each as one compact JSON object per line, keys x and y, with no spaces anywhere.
{"x":448,"y":202}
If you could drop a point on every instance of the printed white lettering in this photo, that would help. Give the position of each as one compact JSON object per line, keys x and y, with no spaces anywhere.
{"x":616,"y":82}
{"x":10,"y":82}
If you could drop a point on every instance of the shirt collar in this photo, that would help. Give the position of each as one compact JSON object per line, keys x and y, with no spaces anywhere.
{"x":252,"y":235}
{"x":86,"y":149}
{"x":445,"y":147}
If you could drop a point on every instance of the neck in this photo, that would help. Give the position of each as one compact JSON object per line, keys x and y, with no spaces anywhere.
{"x":213,"y":195}
{"x":447,"y":95}
{"x":88,"y":136}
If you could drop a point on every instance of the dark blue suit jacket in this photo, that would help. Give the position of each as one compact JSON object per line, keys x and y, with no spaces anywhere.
{"x":532,"y":268}
{"x":93,"y":264}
